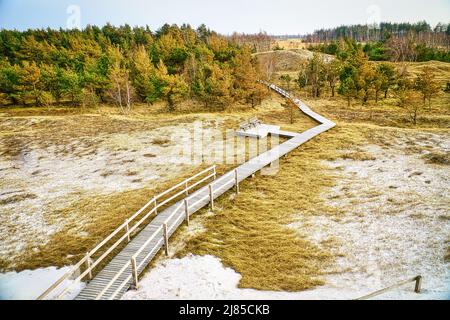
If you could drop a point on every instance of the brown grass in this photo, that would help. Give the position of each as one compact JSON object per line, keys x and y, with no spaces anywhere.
{"x":250,"y":232}
{"x":161,"y":141}
{"x":358,"y":156}
{"x":17,"y":198}
{"x":437,"y":158}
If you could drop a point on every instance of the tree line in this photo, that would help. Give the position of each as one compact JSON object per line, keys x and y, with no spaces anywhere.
{"x":124,"y":65}
{"x":397,"y":49}
{"x":438,"y":36}
{"x":354,"y":77}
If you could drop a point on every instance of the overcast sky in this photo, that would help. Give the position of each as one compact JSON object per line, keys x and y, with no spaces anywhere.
{"x":225,"y":16}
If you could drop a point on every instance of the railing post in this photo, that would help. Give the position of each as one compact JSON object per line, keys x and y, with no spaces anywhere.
{"x":211,"y":197}
{"x":418,"y":287}
{"x":236,"y":181}
{"x":128,"y":230}
{"x":134,"y":272}
{"x":186,"y":210}
{"x":215,"y":173}
{"x":88,"y":265}
{"x":186,"y":188}
{"x":166,"y":239}
{"x":156,"y":207}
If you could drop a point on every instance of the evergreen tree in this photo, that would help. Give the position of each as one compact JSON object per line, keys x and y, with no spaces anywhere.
{"x":143,"y":74}
{"x":174,"y":88}
{"x":427,"y":85}
{"x":387,"y":75}
{"x":332,"y":71}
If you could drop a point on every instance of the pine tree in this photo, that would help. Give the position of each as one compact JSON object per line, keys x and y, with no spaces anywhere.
{"x":332,"y":71}
{"x":246,"y":78}
{"x":218,"y":87}
{"x":174,"y":88}
{"x":427,"y":85}
{"x":9,"y":83}
{"x":143,"y":73}
{"x":347,"y":86}
{"x":387,"y":74}
{"x":70,"y":85}
{"x":31,"y":84}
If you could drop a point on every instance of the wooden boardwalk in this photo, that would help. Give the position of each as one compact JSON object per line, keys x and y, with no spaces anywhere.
{"x":118,"y":276}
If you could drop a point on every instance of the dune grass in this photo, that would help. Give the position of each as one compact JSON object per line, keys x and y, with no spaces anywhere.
{"x":250,"y":232}
{"x":92,"y":217}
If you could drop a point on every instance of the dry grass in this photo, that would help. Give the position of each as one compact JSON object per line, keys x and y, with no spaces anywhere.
{"x":384,"y":113}
{"x":161,"y":141}
{"x":250,"y":232}
{"x":290,"y":44}
{"x":437,"y":158}
{"x":17,"y":198}
{"x":358,"y":156}
{"x":101,"y":214}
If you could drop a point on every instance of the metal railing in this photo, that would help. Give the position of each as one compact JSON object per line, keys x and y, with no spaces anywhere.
{"x":153,"y":205}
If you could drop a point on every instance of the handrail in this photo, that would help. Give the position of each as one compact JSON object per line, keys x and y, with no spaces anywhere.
{"x":225,"y":185}
{"x":184,"y":190}
{"x":187,"y":180}
{"x":129,"y":231}
{"x":173,"y":213}
{"x":121,"y":271}
{"x":417,"y":288}
{"x":163,"y":227}
{"x":141,"y":249}
{"x":200,"y":200}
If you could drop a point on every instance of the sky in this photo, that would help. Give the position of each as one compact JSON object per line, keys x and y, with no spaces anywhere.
{"x":226,"y":16}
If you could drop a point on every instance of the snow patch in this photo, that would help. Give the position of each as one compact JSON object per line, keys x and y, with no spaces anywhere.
{"x":30,"y":284}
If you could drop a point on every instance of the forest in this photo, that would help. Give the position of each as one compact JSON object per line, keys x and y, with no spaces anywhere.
{"x":353,"y":76}
{"x":382,"y":31}
{"x":124,"y":65}
{"x":388,"y":42}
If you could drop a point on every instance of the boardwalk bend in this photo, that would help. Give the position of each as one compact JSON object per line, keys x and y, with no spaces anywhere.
{"x":134,"y":244}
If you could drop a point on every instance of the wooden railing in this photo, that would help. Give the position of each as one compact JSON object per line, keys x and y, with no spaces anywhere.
{"x":184,"y":207}
{"x":417,"y":287}
{"x":152,"y":206}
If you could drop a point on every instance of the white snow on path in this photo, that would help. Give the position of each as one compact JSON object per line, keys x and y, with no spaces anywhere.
{"x":29,"y":284}
{"x":204,"y":277}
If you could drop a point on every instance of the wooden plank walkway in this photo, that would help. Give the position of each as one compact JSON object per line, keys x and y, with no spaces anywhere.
{"x":201,"y":198}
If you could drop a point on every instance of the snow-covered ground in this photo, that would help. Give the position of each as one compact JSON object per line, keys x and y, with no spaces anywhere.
{"x":395,"y":226}
{"x":38,"y":184}
{"x":200,"y":278}
{"x":28,"y":285}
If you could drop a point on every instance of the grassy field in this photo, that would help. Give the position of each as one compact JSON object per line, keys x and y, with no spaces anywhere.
{"x":73,"y":208}
{"x":251,"y":233}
